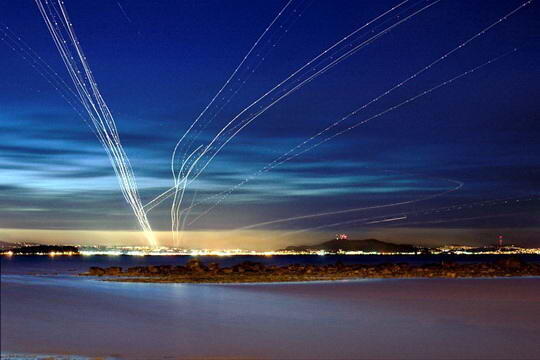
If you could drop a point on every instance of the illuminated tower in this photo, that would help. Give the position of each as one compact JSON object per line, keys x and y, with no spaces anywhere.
{"x":500,"y":241}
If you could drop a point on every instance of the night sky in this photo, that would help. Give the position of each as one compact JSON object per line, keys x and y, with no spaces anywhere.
{"x":159,"y":63}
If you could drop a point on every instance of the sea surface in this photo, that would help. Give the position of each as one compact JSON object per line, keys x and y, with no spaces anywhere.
{"x":47,"y":309}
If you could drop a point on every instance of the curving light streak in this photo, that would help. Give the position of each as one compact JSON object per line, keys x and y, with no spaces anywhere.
{"x":61,"y":29}
{"x":406,"y":215}
{"x":284,"y":157}
{"x":295,"y":88}
{"x":274,"y":101}
{"x":364,"y":121}
{"x":299,"y":77}
{"x":353,"y":126}
{"x":66,"y":92}
{"x":268,"y":42}
{"x":409,"y":100}
{"x":387,"y":220}
{"x":177,"y":201}
{"x":460,"y":219}
{"x":156,"y":201}
{"x":180,"y":183}
{"x":227,"y":82}
{"x":392,"y":108}
{"x":339,"y":212}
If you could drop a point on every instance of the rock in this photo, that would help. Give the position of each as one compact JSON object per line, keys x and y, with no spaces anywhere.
{"x":113,"y":270}
{"x":96,"y":271}
{"x":137,"y":270}
{"x":331,"y":269}
{"x":238,"y":269}
{"x":293,"y":267}
{"x":165,"y":269}
{"x":213,"y":267}
{"x":510,"y":263}
{"x":448,"y":264}
{"x":251,"y":266}
{"x":253,"y":271}
{"x":195,"y":265}
{"x":179,"y":270}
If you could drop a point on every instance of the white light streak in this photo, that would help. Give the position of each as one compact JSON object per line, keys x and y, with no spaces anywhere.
{"x":61,"y":29}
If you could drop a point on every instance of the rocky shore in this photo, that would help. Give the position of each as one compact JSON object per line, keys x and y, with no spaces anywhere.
{"x":197,"y":272}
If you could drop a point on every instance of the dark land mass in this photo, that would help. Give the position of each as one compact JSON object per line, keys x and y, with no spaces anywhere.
{"x":197,"y":272}
{"x":44,"y":249}
{"x":368,"y":245}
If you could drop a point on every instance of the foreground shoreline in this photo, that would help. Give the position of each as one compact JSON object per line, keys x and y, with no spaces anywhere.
{"x":362,"y":319}
{"x":251,"y":272}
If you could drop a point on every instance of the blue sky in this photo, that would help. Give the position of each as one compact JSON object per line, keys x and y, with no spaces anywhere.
{"x":158,"y":63}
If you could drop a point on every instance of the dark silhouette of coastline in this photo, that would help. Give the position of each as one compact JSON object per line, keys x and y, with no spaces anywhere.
{"x":197,"y":272}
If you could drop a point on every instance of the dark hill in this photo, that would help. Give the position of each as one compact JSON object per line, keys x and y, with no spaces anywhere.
{"x":367,"y":245}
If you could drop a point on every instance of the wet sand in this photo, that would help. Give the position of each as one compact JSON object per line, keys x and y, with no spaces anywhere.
{"x":372,"y":319}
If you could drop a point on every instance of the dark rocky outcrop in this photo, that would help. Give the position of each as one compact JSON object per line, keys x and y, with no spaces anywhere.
{"x":248,"y":271}
{"x":195,"y":265}
{"x":510,"y":263}
{"x":96,"y":271}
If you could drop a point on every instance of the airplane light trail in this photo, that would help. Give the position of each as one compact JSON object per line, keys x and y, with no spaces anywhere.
{"x":285,"y":158}
{"x":277,"y":98}
{"x":227,"y":82}
{"x":61,"y":30}
{"x":387,"y":220}
{"x":423,"y":93}
{"x":392,"y":108}
{"x":408,"y":214}
{"x":274,"y":101}
{"x":320,"y":214}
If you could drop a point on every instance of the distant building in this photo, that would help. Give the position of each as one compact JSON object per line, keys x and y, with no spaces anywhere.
{"x":342,"y":237}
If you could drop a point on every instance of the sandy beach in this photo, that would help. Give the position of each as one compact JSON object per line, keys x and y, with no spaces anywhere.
{"x":369,"y":319}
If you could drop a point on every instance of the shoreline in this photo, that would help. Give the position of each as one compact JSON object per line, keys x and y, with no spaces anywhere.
{"x":368,"y":319}
{"x":251,"y":272}
{"x":295,"y":280}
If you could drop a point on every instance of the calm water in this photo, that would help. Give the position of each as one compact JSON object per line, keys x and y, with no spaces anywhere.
{"x":78,"y":264}
{"x":373,"y":319}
